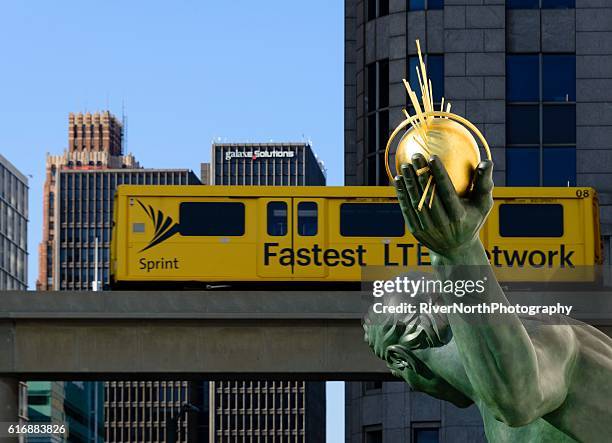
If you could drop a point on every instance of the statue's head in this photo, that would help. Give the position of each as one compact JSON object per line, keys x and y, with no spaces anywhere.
{"x":395,"y":337}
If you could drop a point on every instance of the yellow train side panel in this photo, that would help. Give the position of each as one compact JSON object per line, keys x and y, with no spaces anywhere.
{"x":151,"y":243}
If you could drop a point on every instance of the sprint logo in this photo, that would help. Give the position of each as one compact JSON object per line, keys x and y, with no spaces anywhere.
{"x":165,"y":227}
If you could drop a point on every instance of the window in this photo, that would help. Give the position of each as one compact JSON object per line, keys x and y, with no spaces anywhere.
{"x":211,"y":218}
{"x":559,"y":78}
{"x":377,"y":120}
{"x":372,"y":434}
{"x":523,"y":78}
{"x":377,"y":8}
{"x":425,"y":435}
{"x":531,"y":220}
{"x":558,"y":4}
{"x":277,"y":218}
{"x":38,"y":400}
{"x":541,"y":120}
{"x":307,"y":218}
{"x":421,"y":5}
{"x":560,"y":166}
{"x":545,"y":4}
{"x":523,"y":166}
{"x":523,"y":125}
{"x":558,"y":124}
{"x":370,"y":386}
{"x":371,"y":220}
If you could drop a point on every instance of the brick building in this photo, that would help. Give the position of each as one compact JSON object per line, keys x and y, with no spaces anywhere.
{"x":94,"y":143}
{"x":78,"y":208}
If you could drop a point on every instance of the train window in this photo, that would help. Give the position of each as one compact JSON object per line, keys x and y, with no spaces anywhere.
{"x":211,"y":218}
{"x":371,"y":220}
{"x":307,"y":218}
{"x":531,"y":220}
{"x":277,"y":218}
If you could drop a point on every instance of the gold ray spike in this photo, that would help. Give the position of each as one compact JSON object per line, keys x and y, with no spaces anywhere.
{"x":442,"y":105}
{"x":431,"y":102}
{"x":424,"y":86}
{"x":424,"y":197}
{"x":417,"y":108}
{"x":424,"y":92}
{"x":448,"y":106}
{"x":409,"y":117}
{"x":420,"y":80}
{"x":433,"y":192}
{"x":414,"y":100}
{"x":418,"y":118}
{"x":422,"y":171}
{"x":423,"y":145}
{"x":413,"y":122}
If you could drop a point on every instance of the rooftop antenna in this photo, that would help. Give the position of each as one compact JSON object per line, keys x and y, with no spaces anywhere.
{"x":124,"y":129}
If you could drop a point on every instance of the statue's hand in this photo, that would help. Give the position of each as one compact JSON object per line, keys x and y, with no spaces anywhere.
{"x":452,"y":222}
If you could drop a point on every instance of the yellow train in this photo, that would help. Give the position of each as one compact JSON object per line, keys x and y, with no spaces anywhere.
{"x":231,"y":234}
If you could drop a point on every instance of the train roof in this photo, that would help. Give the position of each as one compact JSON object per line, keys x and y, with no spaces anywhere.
{"x":323,"y":191}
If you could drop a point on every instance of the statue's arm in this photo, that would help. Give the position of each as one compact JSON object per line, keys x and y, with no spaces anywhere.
{"x":518,"y":377}
{"x":521,"y":377}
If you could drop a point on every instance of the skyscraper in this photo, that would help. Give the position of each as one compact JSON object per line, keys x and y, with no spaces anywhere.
{"x":79,"y":405}
{"x":83,"y":213}
{"x":13,"y":227}
{"x":14,"y":243}
{"x":143,"y":411}
{"x":78,"y":207}
{"x":266,"y":411}
{"x":94,"y":143}
{"x":533,"y":75}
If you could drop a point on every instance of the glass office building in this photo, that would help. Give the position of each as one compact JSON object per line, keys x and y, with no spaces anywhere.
{"x":271,"y":410}
{"x":83,"y":214}
{"x":13,"y":228}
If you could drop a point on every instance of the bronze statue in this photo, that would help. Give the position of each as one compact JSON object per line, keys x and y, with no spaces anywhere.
{"x":533,"y":379}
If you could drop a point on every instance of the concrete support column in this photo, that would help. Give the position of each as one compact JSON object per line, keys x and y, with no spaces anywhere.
{"x":9,"y":407}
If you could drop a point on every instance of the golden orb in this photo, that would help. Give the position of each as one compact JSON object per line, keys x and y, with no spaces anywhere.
{"x":452,"y":142}
{"x":439,"y":133}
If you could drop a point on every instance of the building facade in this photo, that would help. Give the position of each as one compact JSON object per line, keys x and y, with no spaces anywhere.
{"x":83,"y":217}
{"x":535,"y":76}
{"x":14,"y":244}
{"x":79,"y":405}
{"x":265,"y":411}
{"x":265,"y":164}
{"x":133,"y":410}
{"x":143,"y":411}
{"x":75,"y":255}
{"x":94,"y":143}
{"x":13,"y":228}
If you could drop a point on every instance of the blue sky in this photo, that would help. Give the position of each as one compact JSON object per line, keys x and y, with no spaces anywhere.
{"x":187,"y":72}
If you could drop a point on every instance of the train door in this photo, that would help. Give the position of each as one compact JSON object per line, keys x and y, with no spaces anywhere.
{"x":309,"y":237}
{"x":275,"y":236}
